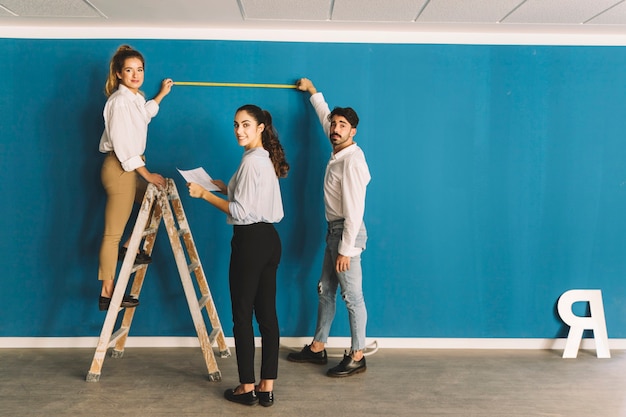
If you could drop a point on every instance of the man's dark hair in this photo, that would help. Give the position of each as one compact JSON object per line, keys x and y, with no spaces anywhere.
{"x":347,"y":112}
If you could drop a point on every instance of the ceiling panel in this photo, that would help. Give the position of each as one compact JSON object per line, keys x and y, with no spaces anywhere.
{"x":559,"y":11}
{"x":285,"y":9}
{"x":467,"y":11}
{"x":50,"y":8}
{"x":5,"y":12}
{"x":166,"y":13}
{"x":377,"y":10}
{"x":614,"y":16}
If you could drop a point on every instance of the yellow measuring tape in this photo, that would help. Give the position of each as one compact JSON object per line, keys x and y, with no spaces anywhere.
{"x":205,"y":84}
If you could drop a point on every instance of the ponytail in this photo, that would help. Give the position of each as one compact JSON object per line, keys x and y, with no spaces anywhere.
{"x":272,"y":145}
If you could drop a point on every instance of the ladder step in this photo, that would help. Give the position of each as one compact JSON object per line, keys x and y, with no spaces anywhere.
{"x":118,"y":334}
{"x":137,"y":267}
{"x":193,"y":266}
{"x":149,"y":231}
{"x":203,"y":301}
{"x":214,"y":334}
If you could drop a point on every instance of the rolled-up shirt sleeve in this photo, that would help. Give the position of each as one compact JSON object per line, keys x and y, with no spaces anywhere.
{"x":355,"y":179}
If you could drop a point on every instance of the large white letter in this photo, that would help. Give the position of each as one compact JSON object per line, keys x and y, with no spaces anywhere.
{"x":578,"y":324}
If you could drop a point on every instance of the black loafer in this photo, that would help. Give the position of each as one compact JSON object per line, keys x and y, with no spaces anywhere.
{"x":266,"y":399}
{"x":307,"y":355}
{"x":347,"y":367}
{"x":249,"y":398}
{"x":127,"y":302}
{"x":142,"y":257}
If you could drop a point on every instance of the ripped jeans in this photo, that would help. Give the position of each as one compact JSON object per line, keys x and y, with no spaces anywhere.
{"x":351,"y":289}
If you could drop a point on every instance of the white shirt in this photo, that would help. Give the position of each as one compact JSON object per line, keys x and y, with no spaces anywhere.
{"x":345,"y":183}
{"x":126,"y":118}
{"x":253,"y":191}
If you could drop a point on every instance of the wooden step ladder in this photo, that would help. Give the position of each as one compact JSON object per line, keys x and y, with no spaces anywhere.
{"x":160,"y":205}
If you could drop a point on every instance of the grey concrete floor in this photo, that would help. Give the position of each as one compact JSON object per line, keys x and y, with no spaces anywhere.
{"x":399,"y":382}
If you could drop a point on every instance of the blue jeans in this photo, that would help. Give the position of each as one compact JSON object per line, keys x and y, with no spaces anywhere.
{"x":351,"y":289}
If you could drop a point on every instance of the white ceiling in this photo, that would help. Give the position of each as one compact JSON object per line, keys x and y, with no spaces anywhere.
{"x":281,"y":17}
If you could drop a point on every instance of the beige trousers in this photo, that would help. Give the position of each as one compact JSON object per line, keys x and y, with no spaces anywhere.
{"x":122,"y":189}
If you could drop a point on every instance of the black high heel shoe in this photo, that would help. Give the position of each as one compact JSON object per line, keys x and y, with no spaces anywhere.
{"x":248,"y":398}
{"x":142,"y":257}
{"x":266,"y":399}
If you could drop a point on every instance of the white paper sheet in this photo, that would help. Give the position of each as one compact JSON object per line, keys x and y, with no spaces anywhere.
{"x":200,"y":177}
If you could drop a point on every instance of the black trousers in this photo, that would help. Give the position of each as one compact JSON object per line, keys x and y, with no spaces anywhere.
{"x":256,"y":252}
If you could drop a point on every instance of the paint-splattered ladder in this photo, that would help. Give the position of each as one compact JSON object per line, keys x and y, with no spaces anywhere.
{"x":157,"y":205}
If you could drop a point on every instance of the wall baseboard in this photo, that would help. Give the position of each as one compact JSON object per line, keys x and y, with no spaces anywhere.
{"x":298,"y":342}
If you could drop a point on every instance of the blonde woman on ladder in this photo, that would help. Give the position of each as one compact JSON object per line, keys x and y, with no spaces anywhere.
{"x":124,"y":174}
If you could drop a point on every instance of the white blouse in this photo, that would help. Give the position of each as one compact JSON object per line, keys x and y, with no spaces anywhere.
{"x":253,"y":191}
{"x":126,"y":118}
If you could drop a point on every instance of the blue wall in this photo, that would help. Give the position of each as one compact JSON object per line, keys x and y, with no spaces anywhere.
{"x":499,"y":181}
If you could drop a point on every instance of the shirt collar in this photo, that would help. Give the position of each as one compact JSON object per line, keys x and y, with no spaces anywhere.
{"x":257,"y":150}
{"x":126,"y":92}
{"x":345,"y":151}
